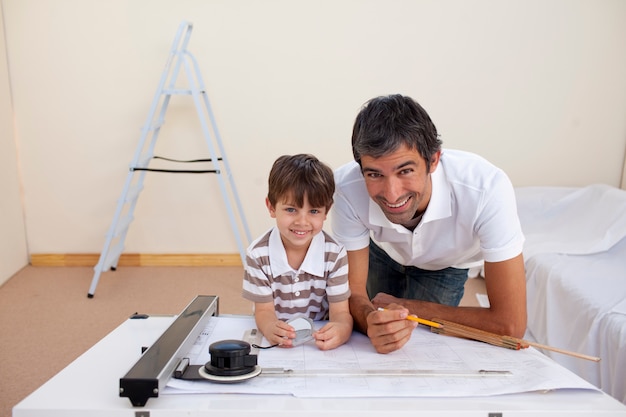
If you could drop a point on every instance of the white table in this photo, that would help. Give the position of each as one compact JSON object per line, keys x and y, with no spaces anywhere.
{"x":89,"y":387}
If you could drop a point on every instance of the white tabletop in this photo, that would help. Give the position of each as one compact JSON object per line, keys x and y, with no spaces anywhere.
{"x":89,"y":387}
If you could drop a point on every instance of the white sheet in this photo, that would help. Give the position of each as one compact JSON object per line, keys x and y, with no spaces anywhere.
{"x":575,"y":256}
{"x":575,"y":221}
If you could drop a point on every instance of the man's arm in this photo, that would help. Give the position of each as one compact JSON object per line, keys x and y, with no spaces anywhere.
{"x":360,"y":305}
{"x":506,"y":288}
{"x":387,"y":330}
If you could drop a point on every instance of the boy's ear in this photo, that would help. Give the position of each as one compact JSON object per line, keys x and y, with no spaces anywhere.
{"x":328,"y":210}
{"x":270,"y":207}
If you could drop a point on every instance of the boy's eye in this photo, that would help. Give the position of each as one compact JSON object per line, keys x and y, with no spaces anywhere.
{"x":314,"y":211}
{"x":290,"y":209}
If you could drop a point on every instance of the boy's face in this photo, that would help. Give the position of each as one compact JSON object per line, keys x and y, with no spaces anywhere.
{"x":297,"y":225}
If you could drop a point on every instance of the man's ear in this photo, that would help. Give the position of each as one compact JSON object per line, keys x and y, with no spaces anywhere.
{"x":434,"y":161}
{"x":270,"y":207}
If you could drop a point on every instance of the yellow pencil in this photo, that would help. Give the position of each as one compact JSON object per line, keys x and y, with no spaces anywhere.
{"x":420,"y":320}
{"x":424,"y":321}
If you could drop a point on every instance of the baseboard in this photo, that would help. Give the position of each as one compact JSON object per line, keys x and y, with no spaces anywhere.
{"x":136,"y":259}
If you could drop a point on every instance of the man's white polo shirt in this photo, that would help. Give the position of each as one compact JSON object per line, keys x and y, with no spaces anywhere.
{"x":471,"y":217}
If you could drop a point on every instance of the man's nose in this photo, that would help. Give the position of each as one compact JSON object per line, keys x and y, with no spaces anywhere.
{"x":393,"y":189}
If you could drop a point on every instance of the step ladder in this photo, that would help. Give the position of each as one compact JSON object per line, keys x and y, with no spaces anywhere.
{"x":179,"y":59}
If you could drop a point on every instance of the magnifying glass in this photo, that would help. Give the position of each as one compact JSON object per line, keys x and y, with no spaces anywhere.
{"x":303,"y":327}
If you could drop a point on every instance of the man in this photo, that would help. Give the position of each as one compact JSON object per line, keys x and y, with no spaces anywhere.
{"x":414,"y":218}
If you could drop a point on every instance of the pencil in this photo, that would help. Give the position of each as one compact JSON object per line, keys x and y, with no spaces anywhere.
{"x":424,"y":321}
{"x":419,"y":320}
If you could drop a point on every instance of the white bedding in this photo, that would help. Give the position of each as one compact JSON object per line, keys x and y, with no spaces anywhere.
{"x":575,"y":256}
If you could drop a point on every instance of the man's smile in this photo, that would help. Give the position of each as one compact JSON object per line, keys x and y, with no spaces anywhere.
{"x":398,"y":205}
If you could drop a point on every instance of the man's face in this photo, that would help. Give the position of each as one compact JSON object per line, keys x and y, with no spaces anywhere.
{"x":399,"y":183}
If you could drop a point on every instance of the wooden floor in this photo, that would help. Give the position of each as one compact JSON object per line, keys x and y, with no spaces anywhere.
{"x":47,"y":321}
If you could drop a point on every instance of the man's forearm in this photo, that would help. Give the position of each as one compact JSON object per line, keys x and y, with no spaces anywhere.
{"x":477,"y":317}
{"x":360,"y":307}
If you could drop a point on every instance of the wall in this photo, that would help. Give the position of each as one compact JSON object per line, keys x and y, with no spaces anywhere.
{"x":536,"y":86}
{"x":13,"y":251}
{"x":623,"y":183}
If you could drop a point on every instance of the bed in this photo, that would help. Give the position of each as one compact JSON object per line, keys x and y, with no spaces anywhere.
{"x":575,"y":257}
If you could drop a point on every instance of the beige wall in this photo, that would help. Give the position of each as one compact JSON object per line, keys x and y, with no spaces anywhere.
{"x":536,"y":86}
{"x":623,"y":184}
{"x":13,"y":251}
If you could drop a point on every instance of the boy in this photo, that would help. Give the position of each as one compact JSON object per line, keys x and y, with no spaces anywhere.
{"x":296,"y":269}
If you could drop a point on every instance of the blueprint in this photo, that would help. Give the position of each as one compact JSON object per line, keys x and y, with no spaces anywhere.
{"x":435,"y":366}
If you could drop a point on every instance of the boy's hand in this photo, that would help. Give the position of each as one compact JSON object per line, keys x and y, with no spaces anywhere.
{"x":279,"y":333}
{"x":332,"y":335}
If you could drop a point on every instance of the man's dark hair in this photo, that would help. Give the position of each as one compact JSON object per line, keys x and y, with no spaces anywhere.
{"x":386,"y":122}
{"x":296,"y":176}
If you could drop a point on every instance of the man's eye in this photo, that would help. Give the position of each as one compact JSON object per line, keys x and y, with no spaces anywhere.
{"x":373,"y":175}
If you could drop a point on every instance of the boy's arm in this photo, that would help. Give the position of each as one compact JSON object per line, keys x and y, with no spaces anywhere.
{"x":277,"y":332}
{"x":338,"y":329}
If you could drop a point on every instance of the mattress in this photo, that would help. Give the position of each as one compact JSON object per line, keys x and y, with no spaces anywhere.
{"x":575,"y":257}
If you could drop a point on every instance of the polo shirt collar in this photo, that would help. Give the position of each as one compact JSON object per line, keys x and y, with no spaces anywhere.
{"x":313,"y":262}
{"x":378,"y":218}
{"x":440,"y":205}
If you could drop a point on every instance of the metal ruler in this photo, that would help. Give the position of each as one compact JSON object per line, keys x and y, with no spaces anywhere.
{"x":283,"y":372}
{"x":254,"y":337}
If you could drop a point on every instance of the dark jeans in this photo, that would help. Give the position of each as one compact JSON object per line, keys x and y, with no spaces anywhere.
{"x":445,"y":286}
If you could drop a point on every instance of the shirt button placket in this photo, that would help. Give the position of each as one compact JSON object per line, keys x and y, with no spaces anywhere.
{"x":297,"y":279}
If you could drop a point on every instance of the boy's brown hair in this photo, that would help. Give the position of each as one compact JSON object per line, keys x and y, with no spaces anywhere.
{"x":294,"y":177}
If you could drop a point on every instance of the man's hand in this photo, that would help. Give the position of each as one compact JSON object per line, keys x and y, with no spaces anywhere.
{"x":382,"y":300}
{"x":389,"y":330}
